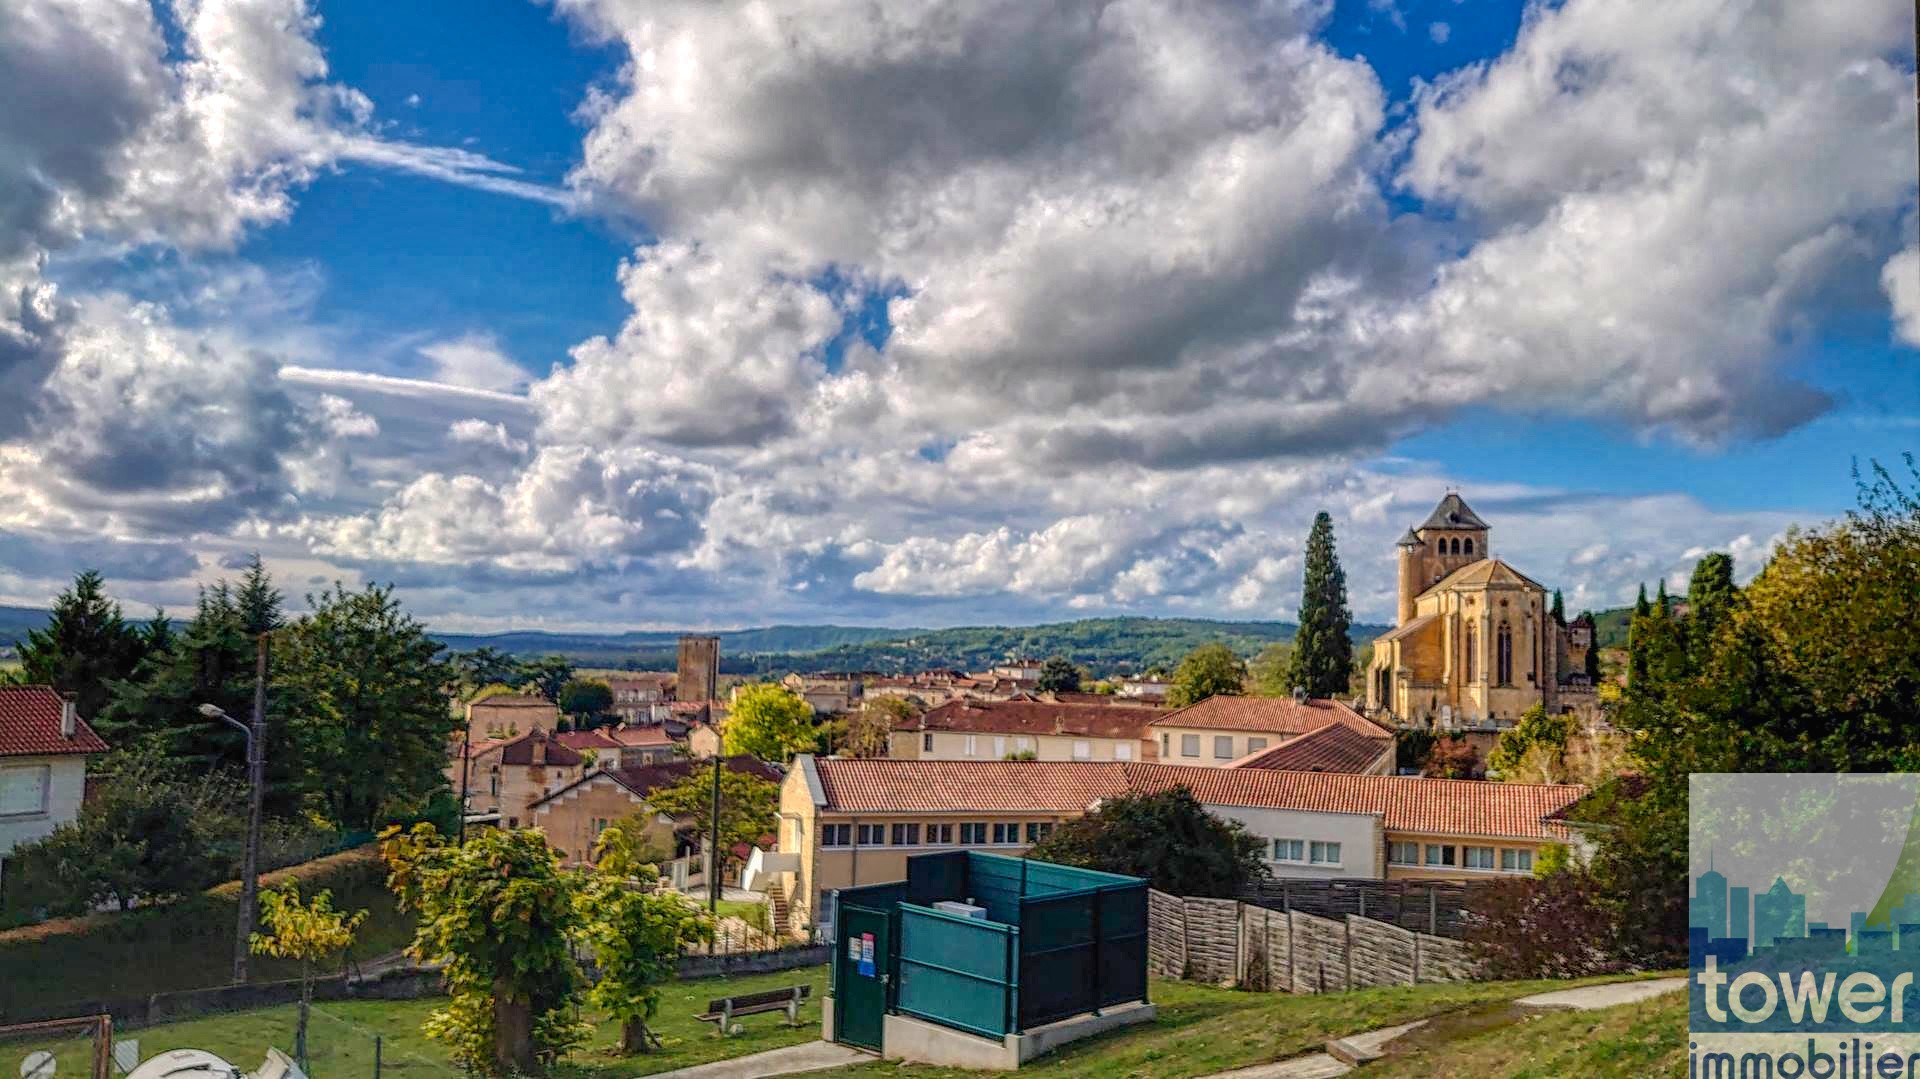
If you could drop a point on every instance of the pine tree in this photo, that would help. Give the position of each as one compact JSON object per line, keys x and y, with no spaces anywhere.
{"x":1710,"y":595}
{"x":1322,"y":650}
{"x":1636,"y":639}
{"x":86,"y":646}
{"x":1559,"y":610}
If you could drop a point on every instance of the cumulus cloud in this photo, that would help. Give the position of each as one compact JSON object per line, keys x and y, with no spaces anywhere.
{"x":1901,"y":280}
{"x":478,"y":432}
{"x":475,"y":361}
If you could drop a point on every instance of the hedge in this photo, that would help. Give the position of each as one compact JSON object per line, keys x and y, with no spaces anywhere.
{"x":187,"y":944}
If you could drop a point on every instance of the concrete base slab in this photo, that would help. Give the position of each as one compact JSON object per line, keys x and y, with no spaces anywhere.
{"x":1358,"y":1049}
{"x":919,"y":1041}
{"x":792,"y":1060}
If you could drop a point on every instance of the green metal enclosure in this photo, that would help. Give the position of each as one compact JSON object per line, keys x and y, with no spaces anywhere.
{"x":1079,"y":933}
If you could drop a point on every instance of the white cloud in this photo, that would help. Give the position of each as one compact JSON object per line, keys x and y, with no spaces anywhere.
{"x":1439,"y":32}
{"x":1901,"y":280}
{"x":475,"y":361}
{"x":477,"y":432}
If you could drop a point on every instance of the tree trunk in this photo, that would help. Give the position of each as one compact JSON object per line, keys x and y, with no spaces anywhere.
{"x":306,"y":1001}
{"x":512,"y":1032}
{"x":636,"y":1038}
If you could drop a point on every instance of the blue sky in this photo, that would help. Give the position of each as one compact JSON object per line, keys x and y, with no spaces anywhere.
{"x":698,"y":322}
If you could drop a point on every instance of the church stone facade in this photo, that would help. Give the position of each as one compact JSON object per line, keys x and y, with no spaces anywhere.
{"x":1475,"y":644}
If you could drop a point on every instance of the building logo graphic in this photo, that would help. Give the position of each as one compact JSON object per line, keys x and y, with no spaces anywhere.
{"x":1804,"y":926}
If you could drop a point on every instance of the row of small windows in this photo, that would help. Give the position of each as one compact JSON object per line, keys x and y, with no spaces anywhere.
{"x":1306,"y":852}
{"x":1222,"y":746}
{"x":1448,"y":856}
{"x":973,"y":744}
{"x":1442,"y":546}
{"x":971,"y":834}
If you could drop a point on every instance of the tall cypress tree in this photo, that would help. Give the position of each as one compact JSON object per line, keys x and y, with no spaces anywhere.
{"x":1637,"y":639}
{"x":1559,"y":609}
{"x":1710,"y":595}
{"x":86,"y":646}
{"x":1322,"y":651}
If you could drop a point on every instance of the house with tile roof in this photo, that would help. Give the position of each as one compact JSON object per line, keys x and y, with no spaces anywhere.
{"x":1050,"y":730}
{"x":44,"y":748}
{"x":574,"y":815}
{"x":511,"y":713}
{"x":1220,"y":730}
{"x":504,"y":776}
{"x":624,"y":745}
{"x":1336,"y":747}
{"x":847,"y":822}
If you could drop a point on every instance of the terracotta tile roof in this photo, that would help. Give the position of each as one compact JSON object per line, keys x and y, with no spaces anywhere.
{"x":1036,"y":717}
{"x":643,"y":779}
{"x":1268,"y":715}
{"x":518,"y":749}
{"x":30,"y":725}
{"x":594,"y":739}
{"x":1336,"y":747}
{"x":637,"y":737}
{"x":884,"y":785}
{"x":509,"y":700}
{"x":1405,"y":803}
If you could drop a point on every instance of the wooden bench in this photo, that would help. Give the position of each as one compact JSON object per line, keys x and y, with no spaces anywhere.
{"x":724,"y":1010}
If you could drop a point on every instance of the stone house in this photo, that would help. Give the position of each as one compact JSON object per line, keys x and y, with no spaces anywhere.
{"x":505,"y":776}
{"x":573,"y":816}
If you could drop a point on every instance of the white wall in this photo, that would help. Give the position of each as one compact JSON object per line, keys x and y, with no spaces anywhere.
{"x":67,"y":784}
{"x":1359,"y":835}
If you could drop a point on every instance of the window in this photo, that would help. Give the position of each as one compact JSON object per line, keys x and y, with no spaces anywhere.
{"x":1123,"y":751}
{"x":1469,"y":546}
{"x":1289,"y":850}
{"x":873,"y":835}
{"x":926,"y":742}
{"x":1006,"y":833}
{"x":1403,"y":853}
{"x":493,"y":782}
{"x":23,"y":791}
{"x":836,"y":835}
{"x":1022,"y":744}
{"x":1223,"y":747}
{"x":1189,"y":745}
{"x":906,"y":835}
{"x":1320,"y":853}
{"x":1082,"y":749}
{"x":1439,"y":854}
{"x":939,"y":833}
{"x":1516,"y":861}
{"x":999,"y":748}
{"x":599,"y":825}
{"x":1477,"y":857}
{"x":1038,"y":830}
{"x":1164,"y":751}
{"x":1470,"y":657}
{"x":972,"y":834}
{"x":1456,"y":545}
{"x":1255,"y":745}
{"x":1503,"y":657}
{"x":972,"y":747}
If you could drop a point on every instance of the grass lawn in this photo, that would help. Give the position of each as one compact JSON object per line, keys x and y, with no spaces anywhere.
{"x":1628,"y":1042}
{"x":340,"y":1036}
{"x":1202,"y":1029}
{"x":754,"y":914}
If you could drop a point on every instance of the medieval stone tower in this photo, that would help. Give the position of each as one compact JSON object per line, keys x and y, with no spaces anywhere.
{"x":1451,"y":537}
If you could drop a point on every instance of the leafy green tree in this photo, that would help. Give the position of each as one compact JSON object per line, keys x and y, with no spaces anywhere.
{"x":310,"y":932}
{"x":370,"y":690}
{"x":870,"y":726}
{"x":768,"y":721}
{"x":749,"y":807}
{"x":502,"y":916}
{"x":1211,"y":670}
{"x":637,"y":933}
{"x":1322,"y":649}
{"x":1535,"y":729}
{"x":1059,"y":675}
{"x":1452,"y":758}
{"x":485,"y":666}
{"x":1710,"y":597}
{"x":86,"y":646}
{"x":549,"y":676}
{"x":1167,"y":837}
{"x":586,"y":700}
{"x":1271,"y":671}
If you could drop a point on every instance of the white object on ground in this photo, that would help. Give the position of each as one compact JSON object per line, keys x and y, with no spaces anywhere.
{"x":1613,"y":994}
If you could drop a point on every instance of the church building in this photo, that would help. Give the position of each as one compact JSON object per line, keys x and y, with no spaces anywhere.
{"x":1475,"y":644}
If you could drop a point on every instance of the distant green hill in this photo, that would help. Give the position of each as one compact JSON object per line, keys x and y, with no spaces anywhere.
{"x":1103,"y":644}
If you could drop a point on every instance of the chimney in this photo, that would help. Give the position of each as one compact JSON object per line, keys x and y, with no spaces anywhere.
{"x":69,"y":715}
{"x":1299,"y":694}
{"x":539,"y":747}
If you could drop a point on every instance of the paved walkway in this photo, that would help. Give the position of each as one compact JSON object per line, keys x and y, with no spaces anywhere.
{"x":1589,"y":997}
{"x":1372,"y":1044}
{"x":794,"y":1059}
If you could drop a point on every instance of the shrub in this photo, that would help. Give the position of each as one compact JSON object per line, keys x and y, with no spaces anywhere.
{"x":1547,"y":927}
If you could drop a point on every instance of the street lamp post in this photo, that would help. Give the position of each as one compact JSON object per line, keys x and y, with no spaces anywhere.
{"x":256,"y":735}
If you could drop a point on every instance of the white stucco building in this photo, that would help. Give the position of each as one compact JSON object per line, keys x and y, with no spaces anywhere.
{"x":44,"y":746}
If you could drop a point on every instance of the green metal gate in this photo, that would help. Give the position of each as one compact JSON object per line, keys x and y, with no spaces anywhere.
{"x":862,"y":961}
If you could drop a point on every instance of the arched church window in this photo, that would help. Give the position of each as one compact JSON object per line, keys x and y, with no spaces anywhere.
{"x":1469,"y":546}
{"x":1468,"y":665}
{"x":1456,"y":545}
{"x":1503,"y":656}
